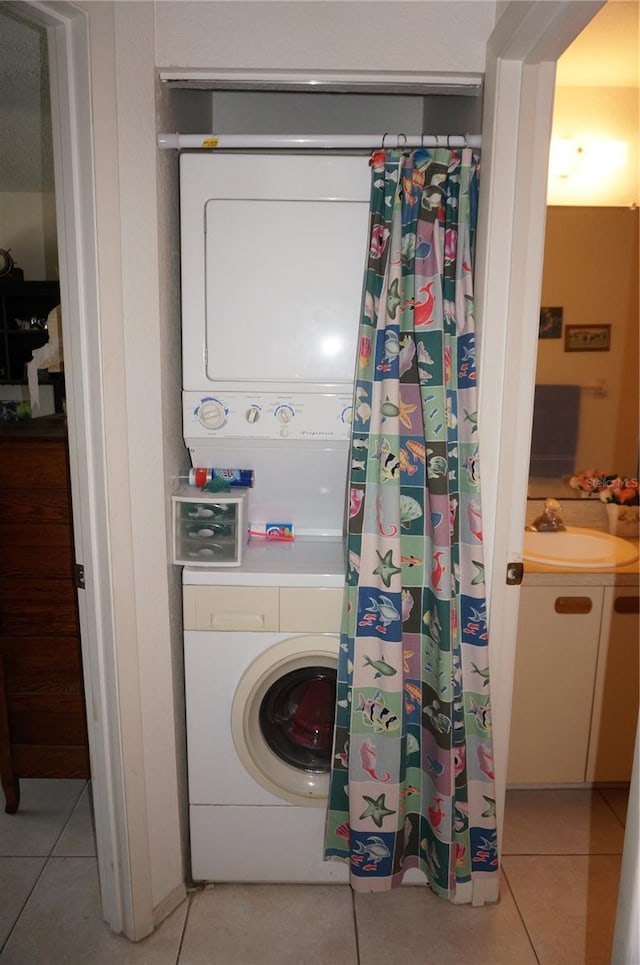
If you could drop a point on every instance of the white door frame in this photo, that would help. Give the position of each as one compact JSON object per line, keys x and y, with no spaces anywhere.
{"x":519,"y":93}
{"x":520,"y":74}
{"x":70,"y":82}
{"x":518,"y":108}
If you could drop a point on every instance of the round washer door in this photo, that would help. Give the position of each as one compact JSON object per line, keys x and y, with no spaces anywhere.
{"x":282,"y":717}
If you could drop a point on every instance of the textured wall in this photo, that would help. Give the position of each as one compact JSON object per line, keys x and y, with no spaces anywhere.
{"x":311,"y":35}
{"x":27,"y":206}
{"x":26,"y":158}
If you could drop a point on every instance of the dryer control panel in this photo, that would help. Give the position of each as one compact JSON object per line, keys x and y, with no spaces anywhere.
{"x":267,"y":415}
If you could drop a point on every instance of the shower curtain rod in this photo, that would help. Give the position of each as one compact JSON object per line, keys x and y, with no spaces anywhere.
{"x":369,"y":141}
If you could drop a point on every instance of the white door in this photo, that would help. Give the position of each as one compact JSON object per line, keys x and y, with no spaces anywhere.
{"x":69,"y":78}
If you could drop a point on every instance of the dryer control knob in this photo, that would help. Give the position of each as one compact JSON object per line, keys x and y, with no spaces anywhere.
{"x":212,"y":414}
{"x":284,"y":414}
{"x":253,"y":413}
{"x":347,"y":415}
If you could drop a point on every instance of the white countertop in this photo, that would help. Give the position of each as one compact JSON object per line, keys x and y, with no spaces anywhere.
{"x":307,"y":561}
{"x":538,"y":574}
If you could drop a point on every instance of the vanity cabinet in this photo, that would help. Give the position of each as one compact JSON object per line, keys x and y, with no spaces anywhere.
{"x":43,"y":731}
{"x":617,"y":688}
{"x":556,"y":659}
{"x":575,"y":697}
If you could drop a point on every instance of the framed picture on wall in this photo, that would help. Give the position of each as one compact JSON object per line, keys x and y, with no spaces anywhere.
{"x":550,"y":322}
{"x":587,"y":338}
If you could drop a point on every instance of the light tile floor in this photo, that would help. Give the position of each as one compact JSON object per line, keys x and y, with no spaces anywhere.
{"x":560,"y":868}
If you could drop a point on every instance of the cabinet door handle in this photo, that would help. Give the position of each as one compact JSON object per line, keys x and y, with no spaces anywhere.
{"x":573,"y":604}
{"x":627,"y":604}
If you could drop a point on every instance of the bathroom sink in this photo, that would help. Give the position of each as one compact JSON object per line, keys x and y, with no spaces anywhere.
{"x":578,"y":547}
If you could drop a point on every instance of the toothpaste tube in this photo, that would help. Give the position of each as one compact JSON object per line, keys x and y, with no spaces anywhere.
{"x":233,"y":477}
{"x":275,"y":531}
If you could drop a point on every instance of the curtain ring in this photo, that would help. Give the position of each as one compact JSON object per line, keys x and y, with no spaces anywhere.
{"x":422,"y":140}
{"x":383,"y":137}
{"x":405,"y":140}
{"x":449,"y":141}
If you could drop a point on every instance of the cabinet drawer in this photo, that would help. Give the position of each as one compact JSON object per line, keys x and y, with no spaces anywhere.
{"x":47,"y":719}
{"x":33,"y":464}
{"x":38,"y":608}
{"x":38,"y":760}
{"x":33,"y":507}
{"x":208,"y":529}
{"x":42,"y":665}
{"x":37,"y":561}
{"x":617,"y":692}
{"x":53,"y":535}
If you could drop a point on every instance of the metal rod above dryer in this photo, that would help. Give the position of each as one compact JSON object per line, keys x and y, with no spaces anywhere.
{"x":178,"y":142}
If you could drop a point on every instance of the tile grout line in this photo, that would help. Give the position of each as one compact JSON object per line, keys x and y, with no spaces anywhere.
{"x":66,"y":823}
{"x":184,"y":927}
{"x":520,"y":915}
{"x":561,"y":854}
{"x":47,"y":859}
{"x":610,"y":806}
{"x":355,"y":925}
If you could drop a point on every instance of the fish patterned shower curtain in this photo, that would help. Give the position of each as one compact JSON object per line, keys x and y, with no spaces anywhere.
{"x":412,"y":770}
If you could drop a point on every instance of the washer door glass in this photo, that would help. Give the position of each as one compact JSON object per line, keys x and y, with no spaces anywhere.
{"x":282,"y":717}
{"x":296,"y":718}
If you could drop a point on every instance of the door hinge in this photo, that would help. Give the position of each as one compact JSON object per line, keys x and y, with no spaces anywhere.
{"x":515,"y":572}
{"x":79,"y":568}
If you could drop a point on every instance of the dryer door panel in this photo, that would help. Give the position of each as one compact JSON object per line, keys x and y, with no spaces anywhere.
{"x":273,"y":257}
{"x":284,"y":286}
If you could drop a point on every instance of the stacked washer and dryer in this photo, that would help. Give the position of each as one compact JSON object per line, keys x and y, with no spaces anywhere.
{"x":273,"y":254}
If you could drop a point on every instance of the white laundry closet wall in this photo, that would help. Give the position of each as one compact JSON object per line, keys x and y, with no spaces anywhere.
{"x":136,"y":189}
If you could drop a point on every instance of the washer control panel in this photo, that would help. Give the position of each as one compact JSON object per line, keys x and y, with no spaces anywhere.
{"x":267,"y":415}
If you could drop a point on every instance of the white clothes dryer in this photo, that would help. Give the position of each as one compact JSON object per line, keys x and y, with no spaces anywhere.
{"x":273,"y":250}
{"x":260,"y":666}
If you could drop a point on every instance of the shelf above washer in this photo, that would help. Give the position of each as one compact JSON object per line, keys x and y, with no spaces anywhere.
{"x":308,"y":561}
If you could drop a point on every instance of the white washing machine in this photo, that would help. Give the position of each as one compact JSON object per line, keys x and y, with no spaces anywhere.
{"x":261,"y":653}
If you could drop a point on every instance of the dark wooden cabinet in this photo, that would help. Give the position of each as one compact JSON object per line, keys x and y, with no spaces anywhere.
{"x":43,"y":731}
